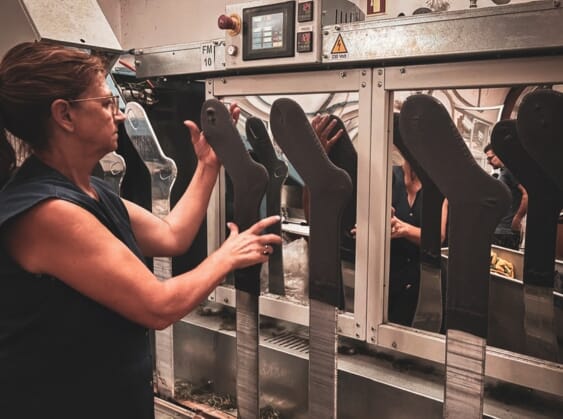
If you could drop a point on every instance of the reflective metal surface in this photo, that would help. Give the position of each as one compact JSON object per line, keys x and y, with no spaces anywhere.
{"x":163,"y":173}
{"x":80,"y":23}
{"x":453,"y":34}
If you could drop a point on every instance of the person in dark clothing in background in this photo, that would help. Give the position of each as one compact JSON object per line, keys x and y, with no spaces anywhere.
{"x":404,"y":269}
{"x":509,"y":230}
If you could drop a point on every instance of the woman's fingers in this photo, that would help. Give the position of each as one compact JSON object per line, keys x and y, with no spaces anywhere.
{"x":233,"y":228}
{"x":270,"y":239}
{"x":263,"y":223}
{"x":194,"y":130}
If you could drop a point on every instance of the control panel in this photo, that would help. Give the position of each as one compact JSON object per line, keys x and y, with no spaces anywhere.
{"x":272,"y":33}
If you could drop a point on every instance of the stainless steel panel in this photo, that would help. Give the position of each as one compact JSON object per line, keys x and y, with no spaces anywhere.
{"x":73,"y":22}
{"x":518,"y":28}
{"x":180,"y":59}
{"x":369,"y":385}
{"x":500,"y":364}
{"x":485,"y":73}
{"x":288,"y":83}
{"x":167,"y":410}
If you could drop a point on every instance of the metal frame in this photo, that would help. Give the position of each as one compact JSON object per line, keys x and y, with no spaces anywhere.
{"x":358,"y":80}
{"x":501,"y":364}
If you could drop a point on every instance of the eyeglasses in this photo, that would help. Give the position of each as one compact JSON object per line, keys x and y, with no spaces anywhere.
{"x":114,"y":102}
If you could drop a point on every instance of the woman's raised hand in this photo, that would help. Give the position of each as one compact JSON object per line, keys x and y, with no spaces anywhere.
{"x":202,"y":149}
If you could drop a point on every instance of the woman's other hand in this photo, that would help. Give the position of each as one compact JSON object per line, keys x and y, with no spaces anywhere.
{"x":249,"y":247}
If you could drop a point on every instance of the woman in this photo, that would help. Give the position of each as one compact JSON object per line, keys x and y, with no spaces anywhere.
{"x":76,"y":299}
{"x":404,"y":270}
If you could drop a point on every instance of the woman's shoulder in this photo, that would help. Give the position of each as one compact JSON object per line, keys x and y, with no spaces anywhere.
{"x":32,"y":184}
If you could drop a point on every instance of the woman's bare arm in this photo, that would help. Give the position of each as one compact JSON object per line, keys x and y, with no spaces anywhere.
{"x":63,"y":240}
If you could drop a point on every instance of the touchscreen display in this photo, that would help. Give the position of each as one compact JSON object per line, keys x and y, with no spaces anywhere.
{"x":267,"y":31}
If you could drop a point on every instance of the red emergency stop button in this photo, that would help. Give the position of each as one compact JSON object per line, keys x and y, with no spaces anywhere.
{"x":230,"y":23}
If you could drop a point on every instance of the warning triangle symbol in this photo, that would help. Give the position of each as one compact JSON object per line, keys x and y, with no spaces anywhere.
{"x":339,"y":46}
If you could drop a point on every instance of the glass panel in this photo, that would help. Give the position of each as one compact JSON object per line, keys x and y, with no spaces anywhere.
{"x":474,"y":113}
{"x":295,"y":227}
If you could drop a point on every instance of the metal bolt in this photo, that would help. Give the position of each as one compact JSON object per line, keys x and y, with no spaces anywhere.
{"x":394,"y":345}
{"x":379,"y":83}
{"x":380,"y":72}
{"x":363,"y":84}
{"x":339,"y":330}
{"x":325,"y":33}
{"x":402,"y":70}
{"x":372,"y":339}
{"x":357,"y":335}
{"x":209,"y":82}
{"x":342,"y":74}
{"x":337,"y":27}
{"x":325,"y":55}
{"x":141,"y":52}
{"x":364,"y":72}
{"x":137,"y":62}
{"x":357,"y":324}
{"x":226,"y":300}
{"x":373,"y":329}
{"x":224,"y":81}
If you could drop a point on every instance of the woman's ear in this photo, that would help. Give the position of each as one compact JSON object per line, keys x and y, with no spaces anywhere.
{"x":62,"y":115}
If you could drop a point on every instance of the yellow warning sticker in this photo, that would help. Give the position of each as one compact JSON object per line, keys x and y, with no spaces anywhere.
{"x":339,"y":46}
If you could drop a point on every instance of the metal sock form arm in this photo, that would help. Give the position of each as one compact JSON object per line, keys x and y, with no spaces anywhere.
{"x":540,"y":126}
{"x":544,"y":205}
{"x":477,"y":202}
{"x":428,"y":314}
{"x":250,"y":180}
{"x":261,"y":143}
{"x":344,"y":155}
{"x":162,"y":170}
{"x":330,"y":189}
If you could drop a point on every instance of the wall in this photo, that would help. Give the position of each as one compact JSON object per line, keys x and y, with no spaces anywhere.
{"x":148,"y":23}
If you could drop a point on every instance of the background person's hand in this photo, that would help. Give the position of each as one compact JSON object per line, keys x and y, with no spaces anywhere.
{"x":323,"y":126}
{"x":398,"y":228}
{"x":234,"y":110}
{"x":249,"y":247}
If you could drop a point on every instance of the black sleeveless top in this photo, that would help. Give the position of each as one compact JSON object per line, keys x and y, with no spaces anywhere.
{"x":63,"y":355}
{"x":405,"y":255}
